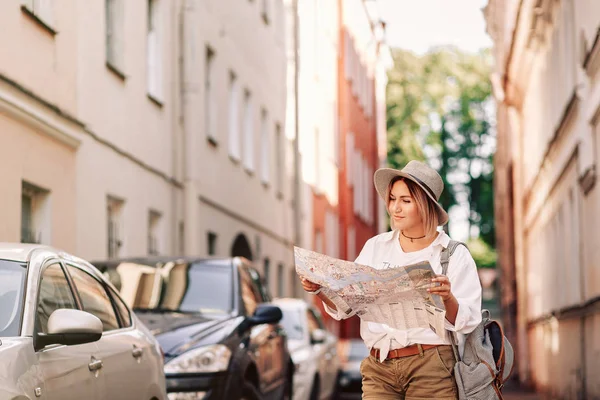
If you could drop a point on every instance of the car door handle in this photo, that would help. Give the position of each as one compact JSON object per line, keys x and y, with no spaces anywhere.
{"x":137,"y":352}
{"x":95,"y":365}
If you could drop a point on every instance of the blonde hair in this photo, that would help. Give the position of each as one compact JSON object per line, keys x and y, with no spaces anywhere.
{"x":427,"y":209}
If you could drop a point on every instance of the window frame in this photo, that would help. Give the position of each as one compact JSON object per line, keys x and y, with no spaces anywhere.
{"x":48,"y":263}
{"x":115,"y":297}
{"x":101,"y":282}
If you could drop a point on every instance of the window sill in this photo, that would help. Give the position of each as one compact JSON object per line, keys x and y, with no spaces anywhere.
{"x":38,"y":21}
{"x":116,"y":71}
{"x":234,"y":160}
{"x":212,"y":141}
{"x":279,"y":196}
{"x":154,"y":100}
{"x":249,"y":171}
{"x":265,"y":18}
{"x":266,"y":185}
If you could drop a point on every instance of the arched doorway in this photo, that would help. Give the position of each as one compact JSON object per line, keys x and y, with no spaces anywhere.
{"x":241,"y":247}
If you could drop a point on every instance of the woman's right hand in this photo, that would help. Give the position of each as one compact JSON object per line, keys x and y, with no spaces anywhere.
{"x":309,"y":286}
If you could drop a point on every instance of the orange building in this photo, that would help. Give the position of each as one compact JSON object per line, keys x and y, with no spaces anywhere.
{"x":363,"y":59}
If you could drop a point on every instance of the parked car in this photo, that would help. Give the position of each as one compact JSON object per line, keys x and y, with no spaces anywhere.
{"x":212,"y":317}
{"x":313,"y":350}
{"x":65,"y":333}
{"x":352,"y":352}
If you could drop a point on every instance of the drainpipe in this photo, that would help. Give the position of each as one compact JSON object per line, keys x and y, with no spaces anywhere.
{"x":297,"y":168}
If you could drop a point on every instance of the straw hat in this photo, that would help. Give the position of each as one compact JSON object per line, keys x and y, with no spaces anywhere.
{"x":421,"y":174}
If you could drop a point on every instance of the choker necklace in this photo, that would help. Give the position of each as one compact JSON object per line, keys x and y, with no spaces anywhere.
{"x":412,"y":238}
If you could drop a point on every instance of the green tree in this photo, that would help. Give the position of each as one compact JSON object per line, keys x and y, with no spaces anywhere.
{"x":440,"y":109}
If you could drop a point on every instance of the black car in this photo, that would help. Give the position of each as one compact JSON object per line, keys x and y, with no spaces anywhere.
{"x":220,"y":337}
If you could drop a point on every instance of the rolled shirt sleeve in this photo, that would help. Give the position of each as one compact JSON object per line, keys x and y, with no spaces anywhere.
{"x":364,"y":258}
{"x":466,"y":287}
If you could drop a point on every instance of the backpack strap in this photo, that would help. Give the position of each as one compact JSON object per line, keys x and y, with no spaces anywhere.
{"x":447,"y":253}
{"x":445,"y":260}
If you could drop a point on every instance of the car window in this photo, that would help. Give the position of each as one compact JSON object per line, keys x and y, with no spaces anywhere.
{"x":313,"y":323}
{"x":292,"y":323}
{"x":122,"y":309}
{"x":12,"y":287}
{"x":54,"y":293}
{"x":249,"y":295}
{"x":317,"y":316}
{"x":259,"y":287}
{"x":94,"y":298}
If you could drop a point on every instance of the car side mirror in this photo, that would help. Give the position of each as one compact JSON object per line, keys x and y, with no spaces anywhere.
{"x":318,"y":336}
{"x":266,"y":314}
{"x":69,"y":327}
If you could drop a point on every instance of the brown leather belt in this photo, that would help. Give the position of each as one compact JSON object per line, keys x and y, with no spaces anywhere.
{"x":407,"y":351}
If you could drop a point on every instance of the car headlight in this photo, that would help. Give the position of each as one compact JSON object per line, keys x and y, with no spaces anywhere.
{"x":213,"y":358}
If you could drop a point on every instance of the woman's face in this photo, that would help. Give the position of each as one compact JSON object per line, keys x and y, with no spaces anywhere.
{"x":403,"y":208}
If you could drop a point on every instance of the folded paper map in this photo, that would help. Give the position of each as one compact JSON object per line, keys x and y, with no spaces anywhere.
{"x":396,"y":296}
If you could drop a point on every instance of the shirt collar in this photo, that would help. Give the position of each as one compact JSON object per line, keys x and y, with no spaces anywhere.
{"x":442,"y":239}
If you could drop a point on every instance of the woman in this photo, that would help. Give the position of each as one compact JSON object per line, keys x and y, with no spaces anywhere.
{"x":414,"y":363}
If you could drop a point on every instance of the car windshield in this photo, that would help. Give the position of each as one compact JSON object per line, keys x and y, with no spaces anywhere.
{"x":292,"y":323}
{"x":209,"y":289}
{"x":12,"y":284}
{"x":203,"y":287}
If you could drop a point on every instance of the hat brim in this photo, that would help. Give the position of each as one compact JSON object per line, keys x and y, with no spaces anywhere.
{"x":384,"y":176}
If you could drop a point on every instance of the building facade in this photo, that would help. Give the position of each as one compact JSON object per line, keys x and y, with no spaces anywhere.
{"x":189,"y":127}
{"x":138,"y":128}
{"x":237,"y":192}
{"x":546,"y":82}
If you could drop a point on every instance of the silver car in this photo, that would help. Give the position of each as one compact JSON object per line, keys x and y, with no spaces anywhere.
{"x":66,"y":334}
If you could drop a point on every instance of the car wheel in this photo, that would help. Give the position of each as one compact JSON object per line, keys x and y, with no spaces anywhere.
{"x":315,"y":391}
{"x":250,"y":392}
{"x":289,"y":388}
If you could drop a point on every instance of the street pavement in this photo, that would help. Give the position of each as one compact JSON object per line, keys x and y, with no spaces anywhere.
{"x":512,"y":391}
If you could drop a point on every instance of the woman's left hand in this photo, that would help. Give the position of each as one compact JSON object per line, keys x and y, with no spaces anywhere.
{"x":441,"y":287}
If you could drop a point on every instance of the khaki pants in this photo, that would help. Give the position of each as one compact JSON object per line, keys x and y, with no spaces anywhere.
{"x":425,"y":376}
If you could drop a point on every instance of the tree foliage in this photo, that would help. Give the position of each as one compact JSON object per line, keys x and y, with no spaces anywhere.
{"x":440,"y":109}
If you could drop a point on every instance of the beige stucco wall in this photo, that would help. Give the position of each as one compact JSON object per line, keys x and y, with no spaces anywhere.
{"x":43,"y":161}
{"x":35,"y":58}
{"x":130,"y":151}
{"x":546,"y":79}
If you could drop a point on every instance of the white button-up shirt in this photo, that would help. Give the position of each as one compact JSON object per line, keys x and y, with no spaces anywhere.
{"x":383,"y":251}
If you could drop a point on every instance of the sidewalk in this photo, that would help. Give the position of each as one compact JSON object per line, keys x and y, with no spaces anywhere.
{"x":514,"y":392}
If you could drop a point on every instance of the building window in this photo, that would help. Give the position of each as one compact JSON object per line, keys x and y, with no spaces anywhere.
{"x":317,"y":161}
{"x":154,"y":218}
{"x":267,"y":272}
{"x":41,"y":11}
{"x":154,"y":52}
{"x":294,"y":280}
{"x":350,"y":175}
{"x":209,"y":97}
{"x":35,"y":214}
{"x":181,"y":237}
{"x":234,"y":122}
{"x":211,"y":243}
{"x":248,"y":133}
{"x":319,"y":241}
{"x":265,"y":148}
{"x":114,"y":219}
{"x":279,"y":161}
{"x":351,"y":245}
{"x":114,"y":36}
{"x":280,"y":281}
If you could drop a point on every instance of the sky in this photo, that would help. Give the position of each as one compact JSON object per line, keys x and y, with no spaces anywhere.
{"x":418,"y":25}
